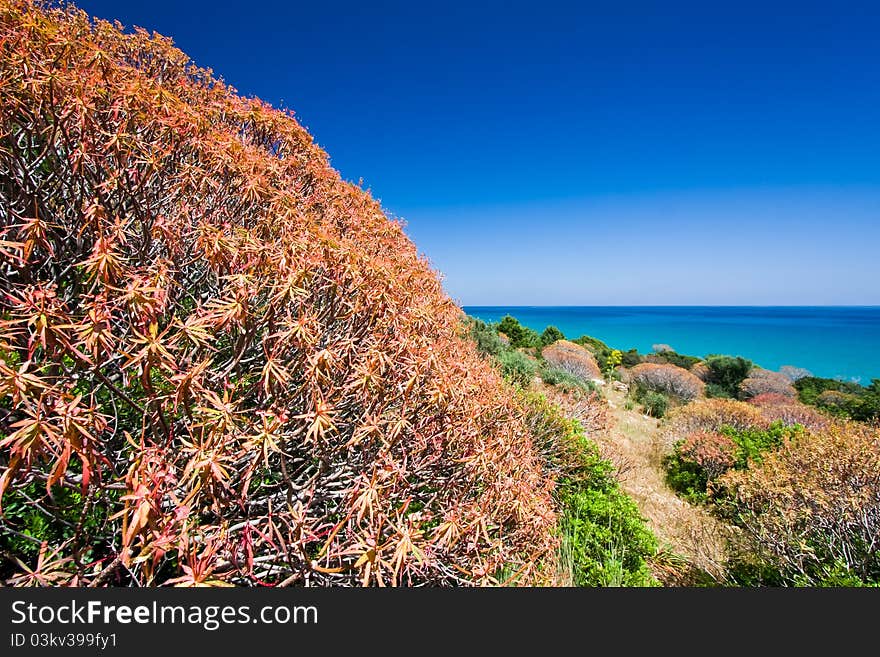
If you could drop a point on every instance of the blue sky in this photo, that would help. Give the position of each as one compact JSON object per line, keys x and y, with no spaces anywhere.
{"x":585,"y":153}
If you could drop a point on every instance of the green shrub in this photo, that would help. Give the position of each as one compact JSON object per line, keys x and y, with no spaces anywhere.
{"x":631,"y":358}
{"x":517,"y":368}
{"x":550,"y":335}
{"x":727,"y":372}
{"x":686,"y":477}
{"x":752,"y":444}
{"x":705,"y":455}
{"x":599,"y":349}
{"x":674,"y":358}
{"x":485,"y":337}
{"x":566,"y":381}
{"x":713,"y":390}
{"x":604,"y":539}
{"x":654,"y":403}
{"x":607,"y":537}
{"x":811,"y":387}
{"x":853,"y":401}
{"x":520,"y":336}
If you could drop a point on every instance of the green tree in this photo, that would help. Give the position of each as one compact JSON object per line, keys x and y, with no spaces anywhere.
{"x":520,"y":336}
{"x":727,"y":372}
{"x":550,"y":335}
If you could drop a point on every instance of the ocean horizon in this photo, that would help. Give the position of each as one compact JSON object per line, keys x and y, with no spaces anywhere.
{"x":829,"y":341}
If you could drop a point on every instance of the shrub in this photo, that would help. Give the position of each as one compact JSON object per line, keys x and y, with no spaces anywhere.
{"x":769,"y":399}
{"x":698,"y":459}
{"x":223,"y":364}
{"x":668,"y":379}
{"x":607,"y":538}
{"x":660,"y":348}
{"x":601,"y":351}
{"x":572,"y":358}
{"x":868,"y":409}
{"x":752,"y":443}
{"x":795,"y":413}
{"x":604,"y":539}
{"x":519,"y":335}
{"x":701,"y":371}
{"x":728,"y":372}
{"x":550,"y":335}
{"x":565,"y":381}
{"x":715,"y":391}
{"x":711,"y":415}
{"x":681,"y":360}
{"x":485,"y":337}
{"x":809,"y":511}
{"x":835,"y":400}
{"x":762,"y":381}
{"x":517,"y":368}
{"x":654,"y":403}
{"x":631,"y":358}
{"x":703,"y":456}
{"x":793,"y":373}
{"x":859,"y":403}
{"x":810,"y":387}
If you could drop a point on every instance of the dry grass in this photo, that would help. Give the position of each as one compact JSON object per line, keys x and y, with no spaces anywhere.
{"x":693,"y":539}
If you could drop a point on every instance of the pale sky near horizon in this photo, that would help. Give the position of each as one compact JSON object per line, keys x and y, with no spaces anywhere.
{"x":587,"y":153}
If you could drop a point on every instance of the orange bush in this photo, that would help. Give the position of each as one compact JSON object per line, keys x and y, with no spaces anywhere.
{"x":234,"y":361}
{"x":572,"y":358}
{"x":810,"y":508}
{"x":709,"y":415}
{"x":769,"y":399}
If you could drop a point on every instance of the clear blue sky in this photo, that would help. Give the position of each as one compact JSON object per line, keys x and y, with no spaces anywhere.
{"x":584,"y":153}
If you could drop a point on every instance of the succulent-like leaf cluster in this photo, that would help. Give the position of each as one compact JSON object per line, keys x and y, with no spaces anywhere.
{"x":236,"y":361}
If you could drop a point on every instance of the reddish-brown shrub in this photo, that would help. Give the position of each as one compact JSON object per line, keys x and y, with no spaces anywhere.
{"x":572,"y":358}
{"x":714,"y":452}
{"x":769,"y":399}
{"x":761,"y":382}
{"x":668,"y":379}
{"x":811,"y":507}
{"x":237,"y":361}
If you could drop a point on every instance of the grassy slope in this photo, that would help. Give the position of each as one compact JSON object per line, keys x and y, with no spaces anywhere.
{"x":683,"y":529}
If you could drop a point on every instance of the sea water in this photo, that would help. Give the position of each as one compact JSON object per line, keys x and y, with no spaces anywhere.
{"x":830,"y":341}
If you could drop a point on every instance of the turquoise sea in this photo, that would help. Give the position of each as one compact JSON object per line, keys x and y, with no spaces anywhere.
{"x":830,"y":341}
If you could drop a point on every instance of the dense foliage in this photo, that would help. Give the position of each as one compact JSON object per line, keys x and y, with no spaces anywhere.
{"x":703,"y":456}
{"x":852,"y":400}
{"x":809,"y":512}
{"x":221,"y":363}
{"x":519,"y":335}
{"x":726,"y":373}
{"x":604,"y":539}
{"x":550,"y":335}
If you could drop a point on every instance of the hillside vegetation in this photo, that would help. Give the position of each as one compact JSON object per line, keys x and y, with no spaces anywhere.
{"x":779,"y":472}
{"x":221,"y":364}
